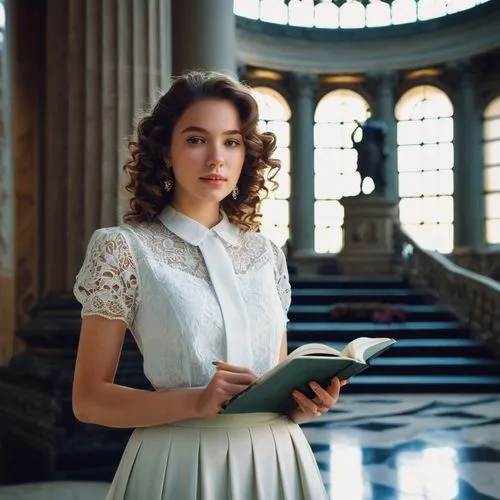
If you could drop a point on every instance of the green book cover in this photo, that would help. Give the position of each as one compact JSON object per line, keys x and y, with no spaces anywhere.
{"x":273,"y":391}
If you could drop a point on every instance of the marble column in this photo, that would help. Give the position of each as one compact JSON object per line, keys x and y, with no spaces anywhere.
{"x":303,"y":90}
{"x":84,"y":70}
{"x":383,"y":109}
{"x":6,"y":207}
{"x":204,"y":36}
{"x":101,"y":73}
{"x":468,"y":169}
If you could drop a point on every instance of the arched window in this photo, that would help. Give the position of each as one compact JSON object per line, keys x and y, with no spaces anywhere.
{"x":491,"y":135}
{"x":335,"y":163}
{"x":430,"y":9}
{"x":301,"y":13}
{"x":378,"y":13}
{"x":425,"y":166}
{"x":247,"y":8}
{"x":326,"y":15}
{"x":274,"y":113}
{"x":459,"y":5}
{"x":274,"y":11}
{"x":352,"y":15}
{"x":404,"y":11}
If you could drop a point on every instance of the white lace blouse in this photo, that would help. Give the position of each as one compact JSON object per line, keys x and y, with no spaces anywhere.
{"x":189,"y":295}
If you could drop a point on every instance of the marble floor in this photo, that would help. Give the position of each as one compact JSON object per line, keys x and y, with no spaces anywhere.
{"x":409,"y":447}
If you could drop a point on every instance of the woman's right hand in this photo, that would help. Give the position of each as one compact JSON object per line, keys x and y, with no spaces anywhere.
{"x":227,"y":381}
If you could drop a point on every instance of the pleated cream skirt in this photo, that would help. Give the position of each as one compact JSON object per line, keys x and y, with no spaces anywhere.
{"x":257,"y":456}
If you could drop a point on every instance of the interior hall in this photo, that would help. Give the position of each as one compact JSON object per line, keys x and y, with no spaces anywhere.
{"x":387,"y":118}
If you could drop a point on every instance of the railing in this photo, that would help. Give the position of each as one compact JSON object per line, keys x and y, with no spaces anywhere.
{"x":485,"y":261}
{"x":474,"y":298}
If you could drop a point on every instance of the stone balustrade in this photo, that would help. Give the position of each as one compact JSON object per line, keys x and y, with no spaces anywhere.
{"x":474,"y":298}
{"x":485,"y":262}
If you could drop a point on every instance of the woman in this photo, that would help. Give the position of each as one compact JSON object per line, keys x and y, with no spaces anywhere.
{"x":205,"y":296}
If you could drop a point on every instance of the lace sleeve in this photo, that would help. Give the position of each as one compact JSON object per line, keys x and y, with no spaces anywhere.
{"x":106,"y":284}
{"x":281,"y":277}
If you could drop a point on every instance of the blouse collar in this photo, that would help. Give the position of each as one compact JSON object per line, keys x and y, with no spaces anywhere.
{"x":192,"y":231}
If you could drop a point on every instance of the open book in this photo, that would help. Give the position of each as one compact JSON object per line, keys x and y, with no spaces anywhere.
{"x":318,"y":362}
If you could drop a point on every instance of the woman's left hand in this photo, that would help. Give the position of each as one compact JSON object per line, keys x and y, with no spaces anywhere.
{"x":320,"y":404}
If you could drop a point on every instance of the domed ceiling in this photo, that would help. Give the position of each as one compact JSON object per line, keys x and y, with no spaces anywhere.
{"x":325,"y":36}
{"x":347,"y":14}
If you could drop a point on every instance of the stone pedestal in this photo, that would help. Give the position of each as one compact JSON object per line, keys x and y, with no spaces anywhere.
{"x":368,"y":236}
{"x":41,"y":438}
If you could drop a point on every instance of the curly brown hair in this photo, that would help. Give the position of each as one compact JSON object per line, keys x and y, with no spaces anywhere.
{"x":146,"y":165}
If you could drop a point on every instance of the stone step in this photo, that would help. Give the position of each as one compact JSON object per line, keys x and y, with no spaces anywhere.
{"x":344,"y":282}
{"x":415,"y":365}
{"x":428,"y":347}
{"x":434,"y":352}
{"x":425,"y":312}
{"x":423,"y":384}
{"x":330,"y":296}
{"x":347,"y":331}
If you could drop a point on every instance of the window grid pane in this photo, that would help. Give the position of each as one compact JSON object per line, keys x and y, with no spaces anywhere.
{"x":335,"y":163}
{"x":492,"y":128}
{"x":274,"y":112}
{"x":493,"y":231}
{"x":491,"y":147}
{"x":492,"y":179}
{"x":328,"y":232}
{"x":425,"y":166}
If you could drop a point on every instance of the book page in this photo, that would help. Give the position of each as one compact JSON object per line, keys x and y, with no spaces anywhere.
{"x":303,"y":350}
{"x":311,"y":349}
{"x":364,"y":348}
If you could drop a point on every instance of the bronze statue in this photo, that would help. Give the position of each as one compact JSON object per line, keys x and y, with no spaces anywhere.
{"x":371,"y":152}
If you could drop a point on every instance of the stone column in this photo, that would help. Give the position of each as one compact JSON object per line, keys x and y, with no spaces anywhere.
{"x":303,"y":89}
{"x":468,"y":175}
{"x":383,"y":109}
{"x":204,"y":36}
{"x":97,"y":64}
{"x":100,"y":74}
{"x":6,"y":206}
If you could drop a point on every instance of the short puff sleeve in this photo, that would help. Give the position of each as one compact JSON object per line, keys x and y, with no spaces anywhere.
{"x":282,"y":278}
{"x":107,"y":283}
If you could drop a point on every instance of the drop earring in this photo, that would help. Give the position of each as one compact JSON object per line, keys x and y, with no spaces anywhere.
{"x":168,"y":183}
{"x":236,"y":192}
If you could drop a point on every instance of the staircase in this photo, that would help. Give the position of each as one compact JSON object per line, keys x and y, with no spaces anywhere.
{"x":434,"y":352}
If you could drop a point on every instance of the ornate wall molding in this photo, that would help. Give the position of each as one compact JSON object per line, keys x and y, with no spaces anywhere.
{"x":290,"y":48}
